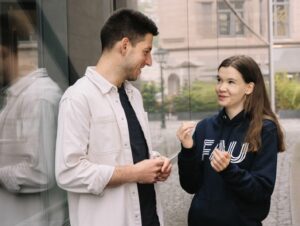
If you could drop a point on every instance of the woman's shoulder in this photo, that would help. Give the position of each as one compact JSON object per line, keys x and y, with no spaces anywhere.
{"x":208,"y":121}
{"x":269,"y":125}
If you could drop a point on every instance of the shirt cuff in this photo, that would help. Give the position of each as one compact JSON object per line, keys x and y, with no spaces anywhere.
{"x":8,"y":179}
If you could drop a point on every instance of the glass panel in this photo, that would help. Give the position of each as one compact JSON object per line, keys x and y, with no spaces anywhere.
{"x":192,"y":66}
{"x":46,"y":46}
{"x":28,"y":122}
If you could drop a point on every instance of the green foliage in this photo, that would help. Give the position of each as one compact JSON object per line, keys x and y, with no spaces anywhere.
{"x":199,"y":97}
{"x":287,"y":92}
{"x":149,"y":91}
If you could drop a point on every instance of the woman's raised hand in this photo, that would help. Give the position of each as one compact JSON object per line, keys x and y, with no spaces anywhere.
{"x":185,"y":132}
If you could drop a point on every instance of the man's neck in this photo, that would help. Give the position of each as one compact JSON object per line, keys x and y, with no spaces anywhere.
{"x":110,"y":70}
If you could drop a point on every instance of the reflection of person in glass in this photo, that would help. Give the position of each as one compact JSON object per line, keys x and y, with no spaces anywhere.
{"x":103,"y":139}
{"x":28,"y":195}
{"x":230,"y":161}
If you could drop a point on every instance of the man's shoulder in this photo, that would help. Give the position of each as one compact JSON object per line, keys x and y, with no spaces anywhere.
{"x":81,"y":86}
{"x":80,"y":90}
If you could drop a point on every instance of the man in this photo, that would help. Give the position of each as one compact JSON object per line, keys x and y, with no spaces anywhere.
{"x":103,"y":155}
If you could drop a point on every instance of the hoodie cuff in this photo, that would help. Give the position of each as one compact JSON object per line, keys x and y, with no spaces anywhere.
{"x":188,"y":152}
{"x":229,"y":171}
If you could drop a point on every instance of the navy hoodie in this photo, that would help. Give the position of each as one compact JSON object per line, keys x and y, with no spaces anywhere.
{"x":239,"y":195}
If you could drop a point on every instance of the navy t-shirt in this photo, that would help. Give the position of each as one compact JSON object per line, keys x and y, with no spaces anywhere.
{"x":139,"y":153}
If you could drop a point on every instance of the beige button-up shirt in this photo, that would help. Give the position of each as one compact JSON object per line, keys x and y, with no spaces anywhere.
{"x":92,"y":139}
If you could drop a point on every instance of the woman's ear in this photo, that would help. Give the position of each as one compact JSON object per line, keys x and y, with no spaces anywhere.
{"x":249,"y":88}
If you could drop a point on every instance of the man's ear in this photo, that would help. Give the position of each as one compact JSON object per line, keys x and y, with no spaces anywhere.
{"x":249,"y":88}
{"x":124,"y":45}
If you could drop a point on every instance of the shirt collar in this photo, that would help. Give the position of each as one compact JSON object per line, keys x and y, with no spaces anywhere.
{"x":104,"y":85}
{"x":22,"y":83}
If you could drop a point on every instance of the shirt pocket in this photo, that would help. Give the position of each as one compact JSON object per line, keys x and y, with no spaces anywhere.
{"x":105,"y":140}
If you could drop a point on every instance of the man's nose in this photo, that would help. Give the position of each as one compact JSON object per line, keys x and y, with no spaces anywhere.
{"x":149,"y":60}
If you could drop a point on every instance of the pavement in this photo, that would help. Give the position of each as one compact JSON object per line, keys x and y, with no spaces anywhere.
{"x":295,"y":188}
{"x":295,"y":173}
{"x":285,"y":205}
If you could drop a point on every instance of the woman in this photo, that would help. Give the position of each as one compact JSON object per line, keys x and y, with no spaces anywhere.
{"x":230,"y":161}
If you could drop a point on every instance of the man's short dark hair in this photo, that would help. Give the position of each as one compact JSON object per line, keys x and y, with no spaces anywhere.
{"x":126,"y":23}
{"x":8,"y":37}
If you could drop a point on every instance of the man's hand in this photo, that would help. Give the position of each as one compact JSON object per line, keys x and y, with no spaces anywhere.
{"x":148,"y":171}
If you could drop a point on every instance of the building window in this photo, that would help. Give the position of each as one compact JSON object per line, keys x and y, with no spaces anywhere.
{"x":228,"y":23}
{"x":281,"y":18}
{"x":204,"y":21}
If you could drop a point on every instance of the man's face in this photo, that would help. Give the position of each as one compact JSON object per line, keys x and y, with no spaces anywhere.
{"x":137,"y":57}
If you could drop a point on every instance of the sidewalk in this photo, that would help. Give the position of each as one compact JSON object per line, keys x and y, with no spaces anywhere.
{"x":295,"y":185}
{"x":292,"y":130}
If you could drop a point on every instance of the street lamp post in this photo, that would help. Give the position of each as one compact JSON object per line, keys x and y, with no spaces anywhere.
{"x":160,"y":56}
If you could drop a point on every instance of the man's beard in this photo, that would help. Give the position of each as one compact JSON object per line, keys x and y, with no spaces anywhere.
{"x":131,"y":79}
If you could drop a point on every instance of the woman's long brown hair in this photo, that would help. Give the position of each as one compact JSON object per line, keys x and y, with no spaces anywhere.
{"x":257,"y":104}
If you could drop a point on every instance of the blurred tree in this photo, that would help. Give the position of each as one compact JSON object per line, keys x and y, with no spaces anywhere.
{"x":287,"y":92}
{"x":199,"y":97}
{"x":149,"y":92}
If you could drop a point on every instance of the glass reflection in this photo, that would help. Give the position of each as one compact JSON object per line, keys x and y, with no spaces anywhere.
{"x":28,"y":117}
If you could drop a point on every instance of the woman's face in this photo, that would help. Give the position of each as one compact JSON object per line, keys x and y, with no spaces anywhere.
{"x":231,"y":89}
